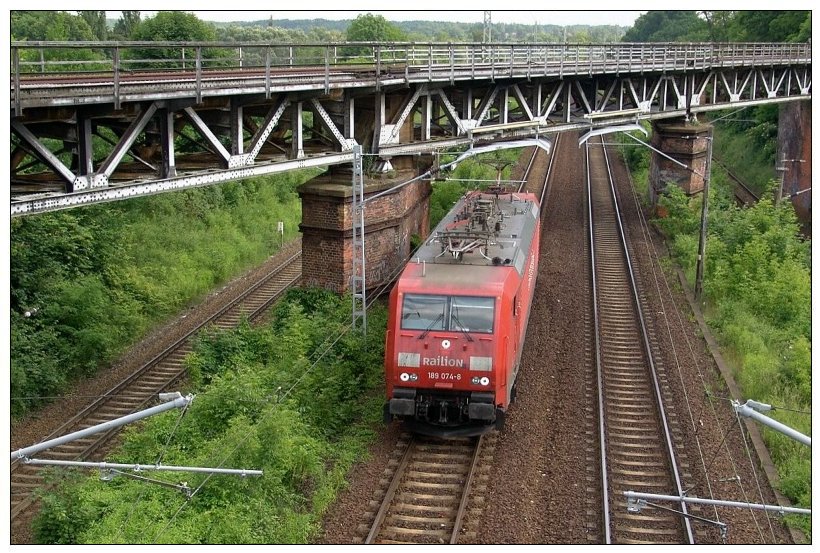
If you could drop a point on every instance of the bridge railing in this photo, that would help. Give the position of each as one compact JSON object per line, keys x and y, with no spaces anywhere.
{"x":32,"y":61}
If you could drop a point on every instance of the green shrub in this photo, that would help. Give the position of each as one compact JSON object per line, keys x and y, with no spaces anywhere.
{"x":266,"y":401}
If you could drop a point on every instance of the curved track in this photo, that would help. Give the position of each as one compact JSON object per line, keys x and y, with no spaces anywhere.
{"x":542,"y":187}
{"x":140,"y":389}
{"x":635,"y":440}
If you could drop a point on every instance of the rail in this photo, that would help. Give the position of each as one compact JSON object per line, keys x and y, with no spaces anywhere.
{"x":636,"y":440}
{"x":156,"y":373}
{"x":426,"y":500}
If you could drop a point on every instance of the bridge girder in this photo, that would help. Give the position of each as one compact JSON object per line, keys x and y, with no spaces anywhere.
{"x":96,"y":151}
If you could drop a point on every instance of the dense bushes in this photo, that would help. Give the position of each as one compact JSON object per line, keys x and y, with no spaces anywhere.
{"x":96,"y":278}
{"x":264,"y":400}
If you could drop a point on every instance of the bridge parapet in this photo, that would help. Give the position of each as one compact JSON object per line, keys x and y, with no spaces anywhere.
{"x":135,"y":71}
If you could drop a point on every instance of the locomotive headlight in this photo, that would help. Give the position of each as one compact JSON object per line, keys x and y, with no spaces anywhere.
{"x":404,"y":377}
{"x":413,"y":377}
{"x":475,"y":380}
{"x":484,"y":380}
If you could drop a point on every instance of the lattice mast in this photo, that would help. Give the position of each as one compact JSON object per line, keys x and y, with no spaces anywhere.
{"x":488,"y":27}
{"x":357,"y":278}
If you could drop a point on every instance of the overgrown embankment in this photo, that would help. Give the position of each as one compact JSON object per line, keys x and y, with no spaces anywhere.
{"x":757,"y":294}
{"x":94,"y":280}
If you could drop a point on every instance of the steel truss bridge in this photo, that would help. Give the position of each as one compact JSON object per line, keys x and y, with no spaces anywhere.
{"x":94,"y":122}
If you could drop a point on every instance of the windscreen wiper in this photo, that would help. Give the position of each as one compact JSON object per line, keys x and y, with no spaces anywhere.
{"x":429,"y":328}
{"x":461,"y":326}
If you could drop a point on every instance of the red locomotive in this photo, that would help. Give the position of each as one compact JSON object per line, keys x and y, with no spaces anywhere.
{"x":458,"y":316}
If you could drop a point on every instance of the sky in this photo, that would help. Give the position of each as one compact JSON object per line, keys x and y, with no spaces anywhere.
{"x":527,"y":17}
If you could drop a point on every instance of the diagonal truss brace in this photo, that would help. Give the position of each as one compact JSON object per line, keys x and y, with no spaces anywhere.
{"x":390,"y":133}
{"x":126,"y":141}
{"x":486,"y":103}
{"x":208,"y":135}
{"x":522,"y":102}
{"x":451,"y":111}
{"x":44,"y":153}
{"x":345,"y":143}
{"x":263,"y":132}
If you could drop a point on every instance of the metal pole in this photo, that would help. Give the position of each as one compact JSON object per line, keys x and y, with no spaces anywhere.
{"x":357,"y":278}
{"x":750,"y":410}
{"x":138,"y":467}
{"x":178,"y":402}
{"x":198,"y":74}
{"x":742,"y":504}
{"x":116,"y":62}
{"x":18,"y":107}
{"x":703,"y":214}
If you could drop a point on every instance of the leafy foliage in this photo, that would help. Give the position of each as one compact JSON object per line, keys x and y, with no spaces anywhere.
{"x":97,"y":278}
{"x":127,"y":24}
{"x":667,"y":26}
{"x":269,"y":402}
{"x":373,"y":28}
{"x":50,"y":25}
{"x":173,"y":26}
{"x":96,"y":22}
{"x":721,"y":26}
{"x":770,"y":26}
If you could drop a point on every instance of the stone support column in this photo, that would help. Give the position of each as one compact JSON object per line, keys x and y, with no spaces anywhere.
{"x":794,"y":156}
{"x":687,"y":143}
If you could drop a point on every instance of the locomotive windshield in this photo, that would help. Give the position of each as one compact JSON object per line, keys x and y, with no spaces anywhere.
{"x":456,"y":313}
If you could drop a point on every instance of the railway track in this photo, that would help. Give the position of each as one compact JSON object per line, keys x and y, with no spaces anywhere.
{"x":141,"y":387}
{"x":427,"y":498}
{"x":743,"y":194}
{"x":635,"y":441}
{"x":542,"y":187}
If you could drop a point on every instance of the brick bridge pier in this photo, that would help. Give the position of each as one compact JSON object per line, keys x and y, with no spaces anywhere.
{"x":390,"y":223}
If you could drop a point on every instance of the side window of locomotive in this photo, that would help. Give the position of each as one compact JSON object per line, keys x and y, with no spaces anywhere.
{"x":472,"y":314}
{"x":423,"y":312}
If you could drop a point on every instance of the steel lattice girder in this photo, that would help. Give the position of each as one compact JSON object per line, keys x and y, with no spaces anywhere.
{"x":477,"y":110}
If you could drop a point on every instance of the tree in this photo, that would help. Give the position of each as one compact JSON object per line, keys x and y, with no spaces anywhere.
{"x":173,"y":27}
{"x":373,"y":28}
{"x":96,"y":20}
{"x":127,"y":24}
{"x":667,"y":26}
{"x":770,"y":26}
{"x":718,"y":23}
{"x":49,"y":25}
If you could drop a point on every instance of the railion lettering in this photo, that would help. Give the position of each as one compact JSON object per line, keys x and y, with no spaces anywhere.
{"x":442,"y":361}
